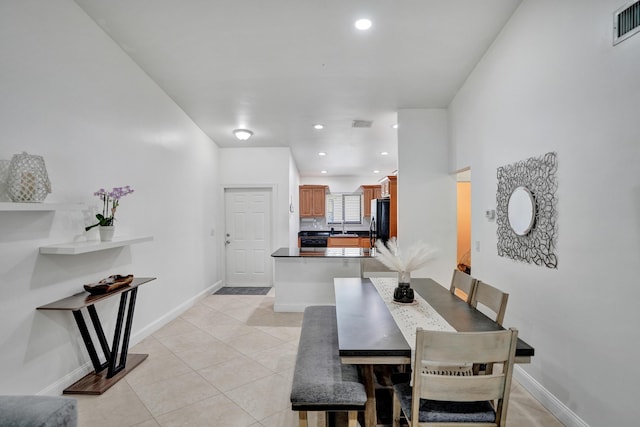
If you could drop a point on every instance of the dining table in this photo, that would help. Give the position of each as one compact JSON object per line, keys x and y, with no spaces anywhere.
{"x":368,"y":333}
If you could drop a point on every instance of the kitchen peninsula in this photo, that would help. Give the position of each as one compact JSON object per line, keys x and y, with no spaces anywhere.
{"x":304,"y":276}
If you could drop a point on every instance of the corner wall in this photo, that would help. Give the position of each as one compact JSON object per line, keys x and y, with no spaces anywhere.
{"x":552,"y":81}
{"x":70,"y":94}
{"x":426,"y":189}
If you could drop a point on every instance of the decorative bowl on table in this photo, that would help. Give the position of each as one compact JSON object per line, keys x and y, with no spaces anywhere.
{"x":109,"y":284}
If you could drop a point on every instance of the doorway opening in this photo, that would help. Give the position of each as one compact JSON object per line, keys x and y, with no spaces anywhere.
{"x":463,"y":256}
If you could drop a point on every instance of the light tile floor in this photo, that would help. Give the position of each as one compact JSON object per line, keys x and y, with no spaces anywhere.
{"x":228,"y":361}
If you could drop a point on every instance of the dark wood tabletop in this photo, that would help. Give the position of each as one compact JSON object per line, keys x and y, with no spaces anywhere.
{"x":84,"y":299}
{"x":366,"y":328}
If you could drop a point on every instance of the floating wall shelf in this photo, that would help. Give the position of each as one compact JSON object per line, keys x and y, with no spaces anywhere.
{"x":75,"y":248}
{"x":37,"y":207}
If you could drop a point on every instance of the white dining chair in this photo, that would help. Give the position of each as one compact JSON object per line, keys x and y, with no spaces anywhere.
{"x":445,"y":400}
{"x":462,"y":285}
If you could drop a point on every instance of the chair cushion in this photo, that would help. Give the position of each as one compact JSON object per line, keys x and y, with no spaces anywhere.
{"x":320,"y":379}
{"x":41,"y":411}
{"x":441,"y":411}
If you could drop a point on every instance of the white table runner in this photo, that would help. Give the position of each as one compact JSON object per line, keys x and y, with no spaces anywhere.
{"x":410,"y":317}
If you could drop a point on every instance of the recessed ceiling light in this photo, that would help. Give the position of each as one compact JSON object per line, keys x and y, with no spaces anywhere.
{"x":318,"y":126}
{"x":242,"y":134}
{"x":322,"y":153}
{"x":376,"y":171}
{"x":395,"y":126}
{"x":323,"y":171}
{"x":384,"y":153}
{"x":363,"y":24}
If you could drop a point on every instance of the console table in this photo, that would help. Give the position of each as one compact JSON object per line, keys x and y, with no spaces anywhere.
{"x":114,"y":368}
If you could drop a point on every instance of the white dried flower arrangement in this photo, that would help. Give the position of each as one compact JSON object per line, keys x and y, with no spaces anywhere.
{"x":416,"y":256}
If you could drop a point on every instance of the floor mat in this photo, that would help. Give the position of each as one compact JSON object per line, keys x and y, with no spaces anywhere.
{"x":239,"y":290}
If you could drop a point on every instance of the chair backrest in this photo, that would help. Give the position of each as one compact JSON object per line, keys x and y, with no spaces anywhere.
{"x":463,"y":282}
{"x":464,"y":347}
{"x":492,"y":298}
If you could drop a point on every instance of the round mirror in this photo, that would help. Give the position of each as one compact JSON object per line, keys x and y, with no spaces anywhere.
{"x":521,"y":211}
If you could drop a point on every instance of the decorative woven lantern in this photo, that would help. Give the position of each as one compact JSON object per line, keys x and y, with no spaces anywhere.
{"x":28,"y":180}
{"x":4,"y":174}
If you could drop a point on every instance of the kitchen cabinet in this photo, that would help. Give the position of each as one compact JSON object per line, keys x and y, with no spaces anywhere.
{"x":365,"y":242}
{"x":389,"y":186}
{"x":370,"y":192}
{"x":312,"y":200}
{"x":343,"y":242}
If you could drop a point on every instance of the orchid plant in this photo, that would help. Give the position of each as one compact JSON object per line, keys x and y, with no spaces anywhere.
{"x":416,"y":256}
{"x":110,"y":202}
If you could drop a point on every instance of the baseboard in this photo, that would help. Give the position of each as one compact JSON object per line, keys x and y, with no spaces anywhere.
{"x":56,"y":388}
{"x":559,"y":410}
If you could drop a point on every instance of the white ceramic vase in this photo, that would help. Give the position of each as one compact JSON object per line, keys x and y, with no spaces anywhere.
{"x":106,"y":232}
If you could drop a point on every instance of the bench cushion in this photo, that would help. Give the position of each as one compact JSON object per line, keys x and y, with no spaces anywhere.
{"x":320,"y":380}
{"x":41,"y":411}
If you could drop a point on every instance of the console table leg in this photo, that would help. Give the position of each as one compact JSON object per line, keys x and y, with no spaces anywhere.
{"x":127,"y":328}
{"x":117,"y":334}
{"x":88,"y":343}
{"x":97,"y":326}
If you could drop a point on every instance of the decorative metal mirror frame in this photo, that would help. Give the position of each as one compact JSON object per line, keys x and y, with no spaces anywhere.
{"x":536,"y":245}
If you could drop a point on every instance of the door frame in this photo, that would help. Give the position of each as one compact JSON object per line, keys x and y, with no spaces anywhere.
{"x":272,"y":226}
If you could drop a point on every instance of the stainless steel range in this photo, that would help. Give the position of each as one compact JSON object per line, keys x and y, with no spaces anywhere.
{"x":313,"y":239}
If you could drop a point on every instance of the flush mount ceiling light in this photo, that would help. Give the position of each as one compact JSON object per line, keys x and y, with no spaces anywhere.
{"x":363,"y":24}
{"x":242,"y":134}
{"x":384,"y":153}
{"x":323,"y":171}
{"x":322,"y":153}
{"x":318,"y":127}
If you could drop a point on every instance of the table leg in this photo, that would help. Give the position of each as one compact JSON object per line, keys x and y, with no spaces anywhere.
{"x":88,"y":343}
{"x":370,"y":415}
{"x":97,"y":326}
{"x":97,"y":382}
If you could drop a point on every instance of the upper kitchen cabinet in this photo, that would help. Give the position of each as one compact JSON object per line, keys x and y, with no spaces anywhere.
{"x":389,"y":187}
{"x":370,"y":192}
{"x":312,"y":200}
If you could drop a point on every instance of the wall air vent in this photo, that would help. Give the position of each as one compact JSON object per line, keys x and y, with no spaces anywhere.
{"x":363,"y":123}
{"x":626,"y":21}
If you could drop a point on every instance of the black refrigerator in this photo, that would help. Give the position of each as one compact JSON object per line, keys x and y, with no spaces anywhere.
{"x":379,"y":227}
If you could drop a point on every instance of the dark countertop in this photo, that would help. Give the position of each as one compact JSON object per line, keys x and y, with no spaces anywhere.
{"x":321,"y":253}
{"x":327,"y":233}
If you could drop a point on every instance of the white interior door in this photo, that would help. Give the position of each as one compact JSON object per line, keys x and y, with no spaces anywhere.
{"x":248,"y":236}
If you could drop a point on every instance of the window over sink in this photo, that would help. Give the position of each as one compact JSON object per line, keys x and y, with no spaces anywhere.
{"x":344,"y":208}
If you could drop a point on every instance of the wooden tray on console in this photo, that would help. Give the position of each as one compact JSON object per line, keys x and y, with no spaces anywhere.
{"x":109,"y":284}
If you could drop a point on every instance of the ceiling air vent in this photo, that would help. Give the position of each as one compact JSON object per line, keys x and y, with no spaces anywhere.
{"x":626,"y":21}
{"x":361,"y":124}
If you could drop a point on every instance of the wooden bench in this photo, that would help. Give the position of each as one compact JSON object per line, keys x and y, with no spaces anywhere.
{"x":320,"y":381}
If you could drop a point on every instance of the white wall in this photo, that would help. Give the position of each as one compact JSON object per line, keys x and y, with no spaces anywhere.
{"x":426,"y":190}
{"x":552,"y":81}
{"x":294,"y":202}
{"x":74,"y":97}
